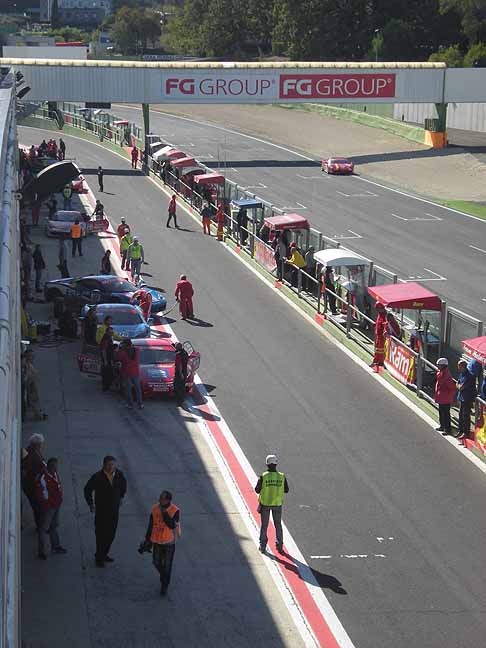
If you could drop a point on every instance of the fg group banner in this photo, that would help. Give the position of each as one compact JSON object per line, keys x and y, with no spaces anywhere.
{"x":400,"y":361}
{"x":264,"y":256}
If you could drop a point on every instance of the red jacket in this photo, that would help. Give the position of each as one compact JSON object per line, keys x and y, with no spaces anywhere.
{"x":130,"y":367}
{"x":48,"y":490}
{"x":172,"y":206}
{"x":445,"y":387}
{"x":184,"y":289}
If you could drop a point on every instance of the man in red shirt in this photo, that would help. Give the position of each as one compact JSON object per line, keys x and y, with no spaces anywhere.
{"x":49,"y":496}
{"x":220,"y":221}
{"x":129,"y":358}
{"x":134,"y":157}
{"x":172,"y":211}
{"x":184,"y":293}
{"x":122,"y":229}
{"x":143,"y":298}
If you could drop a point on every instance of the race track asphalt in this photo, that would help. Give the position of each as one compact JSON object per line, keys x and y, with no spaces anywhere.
{"x":414,"y":239}
{"x":396,"y":514}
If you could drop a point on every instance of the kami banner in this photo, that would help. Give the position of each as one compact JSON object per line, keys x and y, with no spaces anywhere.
{"x":400,"y":362}
{"x":264,"y":256}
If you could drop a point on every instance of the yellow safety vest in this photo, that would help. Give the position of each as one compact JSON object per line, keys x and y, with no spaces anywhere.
{"x":272,"y":493}
{"x":135,"y":251}
{"x":125,"y":242}
{"x":67,"y":192}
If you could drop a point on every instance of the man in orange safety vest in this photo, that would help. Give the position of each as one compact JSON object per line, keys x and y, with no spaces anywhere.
{"x":163,"y":529}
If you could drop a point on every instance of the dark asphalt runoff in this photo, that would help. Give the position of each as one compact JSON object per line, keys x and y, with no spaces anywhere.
{"x":416,"y":240}
{"x":394,"y":511}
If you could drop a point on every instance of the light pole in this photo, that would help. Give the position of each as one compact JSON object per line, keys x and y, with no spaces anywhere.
{"x":377,"y":31}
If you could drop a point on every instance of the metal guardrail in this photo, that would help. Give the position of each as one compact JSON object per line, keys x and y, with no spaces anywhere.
{"x":10,"y":417}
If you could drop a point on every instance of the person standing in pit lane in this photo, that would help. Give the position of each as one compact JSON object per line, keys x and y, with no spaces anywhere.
{"x":172,"y":212}
{"x":184,"y":293}
{"x":272,"y":486}
{"x":101,"y":175}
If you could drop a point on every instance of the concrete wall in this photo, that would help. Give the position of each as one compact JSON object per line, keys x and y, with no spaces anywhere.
{"x":465,"y":116}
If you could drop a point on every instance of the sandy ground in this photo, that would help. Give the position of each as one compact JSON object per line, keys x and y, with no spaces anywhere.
{"x":453,"y":173}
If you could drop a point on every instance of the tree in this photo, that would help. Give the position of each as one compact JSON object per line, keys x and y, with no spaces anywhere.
{"x":472,"y":15}
{"x":452,"y":56}
{"x":134,"y":28}
{"x":476,"y":56}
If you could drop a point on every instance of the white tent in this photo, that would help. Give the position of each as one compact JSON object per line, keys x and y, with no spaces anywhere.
{"x":339,"y":257}
{"x":161,"y":154}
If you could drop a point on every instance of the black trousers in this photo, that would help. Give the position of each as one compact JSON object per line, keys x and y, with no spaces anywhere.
{"x":163,"y":557}
{"x":106,"y":376}
{"x":465,"y":408}
{"x":445,"y":417}
{"x":105,"y":531}
{"x":77,"y":245}
{"x":100,"y":183}
{"x":172,"y":215}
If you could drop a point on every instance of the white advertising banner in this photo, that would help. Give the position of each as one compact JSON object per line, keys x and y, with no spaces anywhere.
{"x":156,"y":83}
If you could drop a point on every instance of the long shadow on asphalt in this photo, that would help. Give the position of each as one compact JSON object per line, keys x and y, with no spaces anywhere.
{"x":325,"y":581}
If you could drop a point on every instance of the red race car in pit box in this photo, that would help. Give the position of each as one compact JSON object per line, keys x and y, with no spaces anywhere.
{"x":337,"y":165}
{"x":157,"y":365}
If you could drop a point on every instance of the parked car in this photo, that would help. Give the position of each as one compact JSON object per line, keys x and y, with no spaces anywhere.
{"x":59,"y":224}
{"x":77,"y":292}
{"x":128,"y":320}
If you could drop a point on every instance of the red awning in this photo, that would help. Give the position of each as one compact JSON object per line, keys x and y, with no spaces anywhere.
{"x":209,"y":178}
{"x":406,"y":296}
{"x":121,"y":122}
{"x":184,"y":162}
{"x":476,"y":348}
{"x":286,"y":222}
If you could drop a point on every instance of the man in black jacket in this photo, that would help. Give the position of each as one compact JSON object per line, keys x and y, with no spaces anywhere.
{"x":109,"y":487}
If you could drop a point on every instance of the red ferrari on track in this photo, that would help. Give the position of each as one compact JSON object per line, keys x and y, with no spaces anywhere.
{"x":337,"y":165}
{"x":157,"y":365}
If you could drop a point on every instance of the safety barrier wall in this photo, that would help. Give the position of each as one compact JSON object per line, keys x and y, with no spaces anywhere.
{"x":458,"y":325}
{"x":10,"y":416}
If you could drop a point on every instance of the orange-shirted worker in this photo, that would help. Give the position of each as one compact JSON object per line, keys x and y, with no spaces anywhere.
{"x":76,"y":238}
{"x":220,"y":221}
{"x":122,"y":229}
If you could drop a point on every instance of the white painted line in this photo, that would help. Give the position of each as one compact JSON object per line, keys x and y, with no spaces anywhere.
{"x":367,"y":194}
{"x":418,"y":218}
{"x":478,"y":249}
{"x":260,"y":185}
{"x":436,"y":277}
{"x":312,"y":177}
{"x":399,"y":217}
{"x":342,"y":237}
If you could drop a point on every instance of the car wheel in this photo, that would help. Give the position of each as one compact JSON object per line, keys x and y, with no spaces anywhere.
{"x":52,"y":294}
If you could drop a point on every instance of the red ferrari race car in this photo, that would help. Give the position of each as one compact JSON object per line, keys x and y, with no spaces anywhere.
{"x":157,"y":365}
{"x":337,"y":165}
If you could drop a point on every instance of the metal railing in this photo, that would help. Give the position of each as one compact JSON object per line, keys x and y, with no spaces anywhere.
{"x":10,"y":417}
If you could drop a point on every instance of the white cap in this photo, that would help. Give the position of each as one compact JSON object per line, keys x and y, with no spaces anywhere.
{"x":271,"y":459}
{"x":135,"y":238}
{"x":442,"y":362}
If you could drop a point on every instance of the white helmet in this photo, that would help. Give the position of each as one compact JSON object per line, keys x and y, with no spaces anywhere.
{"x":271,"y":460}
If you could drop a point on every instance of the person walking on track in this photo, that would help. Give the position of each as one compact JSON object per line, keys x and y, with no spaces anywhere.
{"x":172,"y":211}
{"x":109,"y":487}
{"x":122,"y":229}
{"x":100,"y":175}
{"x":163,"y":528}
{"x":134,"y":155}
{"x":76,"y":238}
{"x":206,"y":219}
{"x":135,"y":256}
{"x":271,"y":488}
{"x":184,"y":293}
{"x":125,"y":243}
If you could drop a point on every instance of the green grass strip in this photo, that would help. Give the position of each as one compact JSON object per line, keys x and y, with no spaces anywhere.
{"x":473,"y":208}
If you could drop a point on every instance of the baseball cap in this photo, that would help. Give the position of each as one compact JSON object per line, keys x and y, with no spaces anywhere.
{"x":442,"y":362}
{"x":271,"y":459}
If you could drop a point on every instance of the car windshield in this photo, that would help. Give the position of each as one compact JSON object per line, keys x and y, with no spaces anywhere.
{"x":152,"y":355}
{"x":67,"y":216}
{"x":124,"y":317}
{"x":118,"y":286}
{"x":339,"y":161}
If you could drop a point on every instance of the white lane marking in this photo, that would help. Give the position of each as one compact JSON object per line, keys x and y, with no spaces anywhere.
{"x":428,"y":420}
{"x":352,"y":556}
{"x":260,"y":185}
{"x":323,"y":176}
{"x":305,"y":571}
{"x":431,"y":217}
{"x":478,"y":249}
{"x":306,"y":157}
{"x":380,"y":539}
{"x":342,"y":237}
{"x":227,"y":169}
{"x":435,"y":277}
{"x":367,"y":194}
{"x":290,"y":207}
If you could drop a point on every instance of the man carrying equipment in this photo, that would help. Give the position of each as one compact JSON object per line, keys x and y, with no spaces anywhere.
{"x":271,"y":488}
